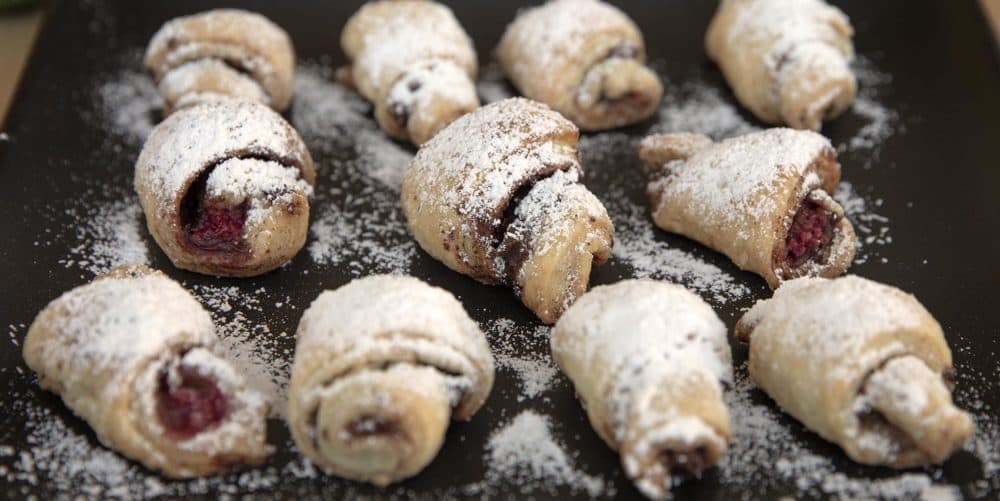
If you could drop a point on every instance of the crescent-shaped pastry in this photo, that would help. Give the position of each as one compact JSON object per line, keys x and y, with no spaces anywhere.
{"x":131,"y":353}
{"x":225,"y":188}
{"x":788,"y":61}
{"x":862,"y":364}
{"x":646,"y":359}
{"x":414,"y":62}
{"x":497,"y":196}
{"x":762,"y":199}
{"x":381,"y":364}
{"x":222,"y":53}
{"x":585,"y":59}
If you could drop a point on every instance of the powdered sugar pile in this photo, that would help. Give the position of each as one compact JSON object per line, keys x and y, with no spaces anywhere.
{"x":493,"y":85}
{"x":129,"y":104}
{"x":525,"y":451}
{"x":696,"y":106}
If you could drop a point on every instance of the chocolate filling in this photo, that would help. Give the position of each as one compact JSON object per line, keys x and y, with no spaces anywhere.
{"x":190,"y":407}
{"x":809,"y":235}
{"x":371,"y":426}
{"x":685,"y":463}
{"x":209,"y":225}
{"x":400,"y":113}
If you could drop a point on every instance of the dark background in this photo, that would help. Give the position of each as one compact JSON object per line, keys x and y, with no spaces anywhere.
{"x":946,"y":87}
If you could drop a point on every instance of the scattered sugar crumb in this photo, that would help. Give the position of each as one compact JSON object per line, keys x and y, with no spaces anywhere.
{"x":696,"y":106}
{"x":263,"y":357}
{"x":872,"y":228}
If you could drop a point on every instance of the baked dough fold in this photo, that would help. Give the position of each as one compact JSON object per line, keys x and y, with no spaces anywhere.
{"x":862,"y":364}
{"x":788,"y":61}
{"x":381,"y":364}
{"x":225,"y":188}
{"x":646,"y":359}
{"x":762,"y":199}
{"x":118,"y":349}
{"x":222,"y":53}
{"x":497,"y":196}
{"x":585,"y":59}
{"x":414,"y":62}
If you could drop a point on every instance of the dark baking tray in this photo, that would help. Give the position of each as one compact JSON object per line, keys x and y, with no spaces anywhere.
{"x":938,"y":181}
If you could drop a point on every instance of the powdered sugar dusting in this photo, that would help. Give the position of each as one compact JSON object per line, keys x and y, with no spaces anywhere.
{"x":525,"y":352}
{"x":130,"y":105}
{"x":109,"y":234}
{"x":696,"y":106}
{"x":357,"y":224}
{"x":873,"y":229}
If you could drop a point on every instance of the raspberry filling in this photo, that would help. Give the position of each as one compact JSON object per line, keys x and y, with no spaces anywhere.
{"x":810,"y":234}
{"x":190,"y":406}
{"x":210,"y":225}
{"x":218,"y":228}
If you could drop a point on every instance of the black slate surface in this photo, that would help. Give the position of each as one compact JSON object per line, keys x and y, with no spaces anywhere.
{"x":939,"y":181}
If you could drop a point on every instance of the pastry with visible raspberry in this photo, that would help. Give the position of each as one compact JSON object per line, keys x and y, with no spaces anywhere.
{"x":762,"y":199}
{"x":132,"y":354}
{"x":225,"y":187}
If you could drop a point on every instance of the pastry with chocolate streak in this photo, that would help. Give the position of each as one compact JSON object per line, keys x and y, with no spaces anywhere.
{"x":788,"y":61}
{"x":222,"y":53}
{"x":862,"y":364}
{"x":585,"y":59}
{"x":382,"y":365}
{"x":414,"y":62}
{"x":762,"y":199}
{"x":132,"y":354}
{"x":648,"y":360}
{"x":497,"y":195}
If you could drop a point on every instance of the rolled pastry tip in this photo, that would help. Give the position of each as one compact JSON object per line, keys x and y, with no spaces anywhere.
{"x":788,"y":61}
{"x":225,"y":187}
{"x":415,"y":63}
{"x":762,"y":199}
{"x":381,"y":366}
{"x":647,"y":360}
{"x":585,"y":59}
{"x":862,"y":364}
{"x":497,"y":196}
{"x":132,"y":354}
{"x":222,"y":53}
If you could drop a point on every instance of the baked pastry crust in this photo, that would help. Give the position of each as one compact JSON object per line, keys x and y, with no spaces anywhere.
{"x":414,"y":62}
{"x":380,"y":366}
{"x":238,"y":154}
{"x":497,"y":196}
{"x":222,"y":53}
{"x":104,"y":347}
{"x":788,"y":61}
{"x":646,"y":359}
{"x":740,"y":196}
{"x":585,"y":59}
{"x":862,"y":364}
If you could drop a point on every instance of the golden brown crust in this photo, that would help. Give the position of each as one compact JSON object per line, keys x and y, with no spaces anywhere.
{"x":585,"y":59}
{"x":222,"y":52}
{"x":188,"y":147}
{"x":859,"y":363}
